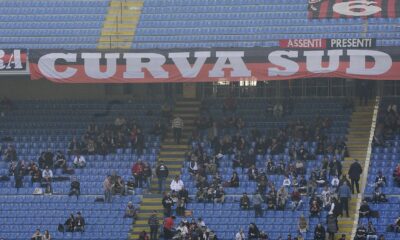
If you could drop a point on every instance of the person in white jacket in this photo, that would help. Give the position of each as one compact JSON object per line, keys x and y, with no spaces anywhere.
{"x":79,"y":161}
{"x":176,"y":184}
{"x":240,"y":235}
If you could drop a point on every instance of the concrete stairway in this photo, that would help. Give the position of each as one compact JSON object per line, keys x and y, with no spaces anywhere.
{"x":357,"y":144}
{"x":120,"y":24}
{"x":173,"y":156}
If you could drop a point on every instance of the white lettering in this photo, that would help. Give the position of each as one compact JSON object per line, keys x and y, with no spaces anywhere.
{"x":287,"y":67}
{"x":135,"y":65}
{"x":16,"y":56}
{"x":236,"y":63}
{"x":383,"y":62}
{"x":314,"y":61}
{"x":357,"y":8}
{"x":92,"y":65}
{"x":46,"y":65}
{"x":182,"y":63}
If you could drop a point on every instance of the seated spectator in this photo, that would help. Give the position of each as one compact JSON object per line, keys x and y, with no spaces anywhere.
{"x":200,"y":195}
{"x":262,"y":183}
{"x":79,"y":161}
{"x":75,"y":188}
{"x":371,"y":231}
{"x":74,"y":146}
{"x":119,"y":121}
{"x":37,"y":235}
{"x":361,"y":233}
{"x":335,"y":183}
{"x":378,"y":196}
{"x":396,"y":174}
{"x":395,"y":227}
{"x":302,"y":226}
{"x":326,"y":197}
{"x":193,"y":167}
{"x":303,"y":185}
{"x":296,"y":200}
{"x":240,"y":235}
{"x":70,"y":224}
{"x":245,"y":202}
{"x":315,"y":209}
{"x":60,"y":160}
{"x":252,"y":173}
{"x":380,"y":180}
{"x":319,"y":232}
{"x":48,"y":158}
{"x":46,"y":235}
{"x":79,"y":223}
{"x":167,"y":203}
{"x":234,"y":181}
{"x":176,"y":184}
{"x":253,"y":233}
{"x":365,"y":210}
{"x":10,"y":154}
{"x":36,"y":174}
{"x":281,"y":198}
{"x":271,"y":198}
{"x":130,"y":211}
{"x":144,"y":236}
{"x":286,"y":182}
{"x":300,"y":170}
{"x":47,"y":176}
{"x":278,"y":110}
{"x":219,"y":195}
{"x":119,"y":186}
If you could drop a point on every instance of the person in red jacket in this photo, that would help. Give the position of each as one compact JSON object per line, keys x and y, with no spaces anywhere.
{"x":137,"y":172}
{"x":169,"y":227}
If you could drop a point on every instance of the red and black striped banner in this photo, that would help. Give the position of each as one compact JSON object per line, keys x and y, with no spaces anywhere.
{"x":353,"y":8}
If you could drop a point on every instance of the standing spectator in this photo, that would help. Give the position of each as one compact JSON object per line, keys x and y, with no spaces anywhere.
{"x":79,"y":161}
{"x":169,"y":227}
{"x":302,"y":225}
{"x":315,"y":209}
{"x":154,"y":223}
{"x":365,"y":210}
{"x":177,"y":125}
{"x":18,"y":177}
{"x":234,"y":181}
{"x":240,"y":235}
{"x":47,"y":177}
{"x":332,"y":226}
{"x":319,"y":232}
{"x":147,"y":175}
{"x":37,"y":235}
{"x":107,"y":187}
{"x":137,"y":172}
{"x":143,"y":235}
{"x":354,"y":174}
{"x":344,"y":195}
{"x":253,"y":233}
{"x":162,"y":174}
{"x":176,"y":184}
{"x":167,"y":203}
{"x":257,"y":201}
{"x":371,"y":231}
{"x":296,"y":199}
{"x":278,"y":110}
{"x":10,"y":154}
{"x":380,"y":180}
{"x":75,"y":188}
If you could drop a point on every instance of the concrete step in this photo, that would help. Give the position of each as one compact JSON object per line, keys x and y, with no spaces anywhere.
{"x":126,"y":4}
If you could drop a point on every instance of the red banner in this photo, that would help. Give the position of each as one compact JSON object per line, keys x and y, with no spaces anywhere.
{"x":208,"y":65}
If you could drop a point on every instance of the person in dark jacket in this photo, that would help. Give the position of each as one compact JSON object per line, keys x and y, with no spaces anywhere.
{"x":75,"y":188}
{"x":79,"y":223}
{"x":253,"y":233}
{"x":344,"y":195}
{"x":162,"y":174}
{"x":167,"y":203}
{"x":354,"y":174}
{"x":332,"y":226}
{"x":244,"y":202}
{"x":154,"y":223}
{"x":319,"y":232}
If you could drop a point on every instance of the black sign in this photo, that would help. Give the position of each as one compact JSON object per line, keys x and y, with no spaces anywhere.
{"x":12,"y":59}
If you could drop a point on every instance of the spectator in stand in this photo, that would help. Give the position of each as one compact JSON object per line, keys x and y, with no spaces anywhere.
{"x":282,"y":196}
{"x":332,"y":226}
{"x":396,"y":174}
{"x":79,"y":161}
{"x":162,"y":173}
{"x":229,"y":104}
{"x":169,"y":227}
{"x":159,"y":129}
{"x":61,"y":161}
{"x":19,"y":177}
{"x":75,"y":188}
{"x":344,"y":195}
{"x":137,"y":172}
{"x":257,"y":201}
{"x":166,"y":111}
{"x":315,"y":209}
{"x":354,"y":174}
{"x":130,"y":211}
{"x":278,"y":110}
{"x":252,"y":173}
{"x":326,"y":197}
{"x":36,"y":174}
{"x":395,"y":227}
{"x":234,"y":181}
{"x":10,"y":154}
{"x":180,"y":207}
{"x":46,"y":235}
{"x":119,"y":186}
{"x":193,"y":167}
{"x":176,"y":184}
{"x":107,"y":187}
{"x":245,"y":202}
{"x":74,"y":146}
{"x":361,"y":233}
{"x":296,"y":200}
{"x":286,"y":182}
{"x":319,"y":232}
{"x":302,"y":225}
{"x":335,"y":183}
{"x":37,"y":235}
{"x":177,"y":126}
{"x":48,"y":158}
{"x":143,"y":235}
{"x":119,"y":122}
{"x":79,"y":223}
{"x":147,"y":175}
{"x":240,"y":235}
{"x":47,"y":177}
{"x":219,"y":195}
{"x":378,"y":196}
{"x":253,"y":233}
{"x":365,"y":210}
{"x":167,"y":203}
{"x":371,"y":231}
{"x":380,"y":180}
{"x":70,"y":223}
{"x":154,"y":223}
